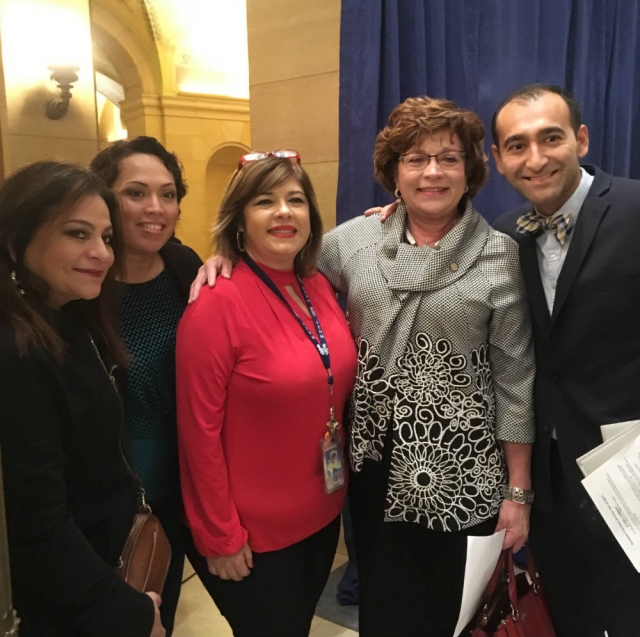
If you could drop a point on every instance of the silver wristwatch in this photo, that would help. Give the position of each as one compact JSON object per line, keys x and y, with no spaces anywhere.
{"x":515,"y":494}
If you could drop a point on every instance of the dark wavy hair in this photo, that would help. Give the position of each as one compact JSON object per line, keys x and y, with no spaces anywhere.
{"x":253,"y":179}
{"x":107,"y":162}
{"x":30,"y":199}
{"x":418,"y":116}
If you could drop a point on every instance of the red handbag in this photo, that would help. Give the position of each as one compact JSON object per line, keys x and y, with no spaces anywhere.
{"x":514,"y":606}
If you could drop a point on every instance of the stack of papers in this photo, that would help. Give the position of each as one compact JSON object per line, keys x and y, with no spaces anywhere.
{"x":612,"y":479}
{"x":617,"y":437}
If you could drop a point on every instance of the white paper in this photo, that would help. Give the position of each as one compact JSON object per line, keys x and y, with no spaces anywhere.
{"x":609,"y":431}
{"x":614,"y":488}
{"x":595,"y":458}
{"x":482,"y":557}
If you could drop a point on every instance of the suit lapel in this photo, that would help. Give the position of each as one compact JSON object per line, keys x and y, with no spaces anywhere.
{"x":531,"y":275}
{"x":584,"y":233}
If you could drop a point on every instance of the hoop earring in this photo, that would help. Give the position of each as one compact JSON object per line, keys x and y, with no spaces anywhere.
{"x":466,"y":189}
{"x":242,"y":246}
{"x":397,"y":194}
{"x":17,"y":282}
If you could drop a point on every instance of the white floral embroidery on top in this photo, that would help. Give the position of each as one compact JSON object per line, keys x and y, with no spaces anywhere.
{"x":371,"y":406}
{"x":446,"y":463}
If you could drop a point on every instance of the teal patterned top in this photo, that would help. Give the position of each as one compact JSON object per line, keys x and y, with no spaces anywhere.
{"x":148,"y":314}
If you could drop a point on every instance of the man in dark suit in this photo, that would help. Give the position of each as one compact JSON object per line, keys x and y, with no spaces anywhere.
{"x":579,"y":241}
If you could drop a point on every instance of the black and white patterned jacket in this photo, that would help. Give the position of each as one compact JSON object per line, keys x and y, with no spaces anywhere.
{"x":445,"y":362}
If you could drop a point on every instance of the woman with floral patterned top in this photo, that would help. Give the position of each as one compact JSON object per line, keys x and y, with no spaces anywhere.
{"x":442,"y":417}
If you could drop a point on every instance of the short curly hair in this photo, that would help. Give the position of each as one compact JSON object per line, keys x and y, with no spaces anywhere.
{"x":107,"y":162}
{"x":418,"y":116}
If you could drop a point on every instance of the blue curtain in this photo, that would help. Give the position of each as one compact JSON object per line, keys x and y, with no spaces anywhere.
{"x":476,"y":52}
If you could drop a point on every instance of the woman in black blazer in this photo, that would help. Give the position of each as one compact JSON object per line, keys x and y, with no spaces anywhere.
{"x":70,"y":492}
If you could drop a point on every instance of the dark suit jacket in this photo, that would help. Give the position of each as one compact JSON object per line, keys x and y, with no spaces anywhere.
{"x":588,"y":350}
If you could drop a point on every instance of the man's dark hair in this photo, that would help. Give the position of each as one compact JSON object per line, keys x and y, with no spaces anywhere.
{"x":533,"y":92}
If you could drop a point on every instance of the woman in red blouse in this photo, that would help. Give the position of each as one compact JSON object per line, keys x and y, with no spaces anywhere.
{"x":265,"y":364}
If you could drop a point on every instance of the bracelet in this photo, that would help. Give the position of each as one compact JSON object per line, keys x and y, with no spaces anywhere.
{"x":515,"y":494}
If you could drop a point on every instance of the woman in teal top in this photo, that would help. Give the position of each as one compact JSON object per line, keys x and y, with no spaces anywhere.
{"x":153,"y":293}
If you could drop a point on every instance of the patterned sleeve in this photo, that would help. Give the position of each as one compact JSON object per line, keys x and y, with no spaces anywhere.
{"x":341,"y":244}
{"x":511,"y":352}
{"x":329,"y":262}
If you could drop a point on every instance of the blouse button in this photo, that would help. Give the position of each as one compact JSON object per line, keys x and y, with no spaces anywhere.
{"x":454,"y":267}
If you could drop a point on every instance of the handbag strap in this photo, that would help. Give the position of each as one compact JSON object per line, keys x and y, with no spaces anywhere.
{"x":144,"y":507}
{"x":505,"y":568}
{"x":531,"y":569}
{"x":495,"y":577}
{"x":513,"y":588}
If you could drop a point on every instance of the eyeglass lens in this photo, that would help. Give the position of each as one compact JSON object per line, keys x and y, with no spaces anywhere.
{"x":447,"y":159}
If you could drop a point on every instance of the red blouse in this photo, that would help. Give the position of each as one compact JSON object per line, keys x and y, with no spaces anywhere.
{"x":253,"y":403}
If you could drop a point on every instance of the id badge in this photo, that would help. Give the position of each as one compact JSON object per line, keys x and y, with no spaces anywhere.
{"x":332,"y":463}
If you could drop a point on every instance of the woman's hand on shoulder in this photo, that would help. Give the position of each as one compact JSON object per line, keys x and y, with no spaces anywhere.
{"x":208,"y":273}
{"x":385,"y":212}
{"x":235,"y":567}
{"x":157,"y":630}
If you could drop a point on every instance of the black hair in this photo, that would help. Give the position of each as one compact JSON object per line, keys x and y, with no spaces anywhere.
{"x":533,"y":92}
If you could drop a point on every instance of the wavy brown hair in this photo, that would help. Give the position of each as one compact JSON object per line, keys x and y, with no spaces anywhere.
{"x":419,"y":116}
{"x":30,"y":199}
{"x":256,"y":178}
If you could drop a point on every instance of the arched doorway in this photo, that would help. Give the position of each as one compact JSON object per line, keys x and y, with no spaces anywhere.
{"x":127,"y":68}
{"x":222,"y":164}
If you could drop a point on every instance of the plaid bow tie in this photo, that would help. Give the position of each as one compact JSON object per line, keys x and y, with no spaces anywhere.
{"x":534,"y":221}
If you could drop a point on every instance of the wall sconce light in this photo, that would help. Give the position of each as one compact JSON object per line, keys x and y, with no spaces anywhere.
{"x":65,"y":76}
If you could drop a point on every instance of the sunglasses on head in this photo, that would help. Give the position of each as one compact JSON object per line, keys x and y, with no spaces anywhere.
{"x":293,"y":155}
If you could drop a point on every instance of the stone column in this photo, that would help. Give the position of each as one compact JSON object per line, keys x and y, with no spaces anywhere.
{"x":294,"y":62}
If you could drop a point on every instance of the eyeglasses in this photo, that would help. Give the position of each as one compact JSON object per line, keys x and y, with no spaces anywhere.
{"x":293,"y":155}
{"x":447,"y":160}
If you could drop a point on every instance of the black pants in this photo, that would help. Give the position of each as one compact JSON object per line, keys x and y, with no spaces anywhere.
{"x":348,"y":590}
{"x":170,"y":514}
{"x":590,"y":583}
{"x":279,"y":597}
{"x":411,"y":578}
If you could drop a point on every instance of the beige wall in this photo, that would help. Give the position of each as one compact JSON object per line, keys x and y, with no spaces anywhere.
{"x":208,"y":134}
{"x":294,"y":80}
{"x":62,"y":33}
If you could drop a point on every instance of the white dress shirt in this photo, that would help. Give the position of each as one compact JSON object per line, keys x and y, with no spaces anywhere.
{"x":551,"y":253}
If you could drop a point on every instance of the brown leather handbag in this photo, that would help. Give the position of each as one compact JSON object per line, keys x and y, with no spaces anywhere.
{"x":146,"y":555}
{"x":514,"y":606}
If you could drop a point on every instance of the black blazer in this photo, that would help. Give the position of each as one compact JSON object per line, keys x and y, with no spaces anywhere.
{"x":588,"y":350}
{"x":182,"y":263}
{"x":70,"y":494}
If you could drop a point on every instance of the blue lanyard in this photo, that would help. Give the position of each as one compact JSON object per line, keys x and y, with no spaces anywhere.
{"x":320,"y":342}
